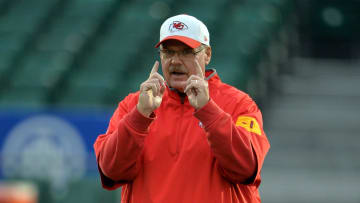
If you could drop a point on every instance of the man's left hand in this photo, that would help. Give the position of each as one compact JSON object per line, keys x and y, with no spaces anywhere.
{"x":197,"y":88}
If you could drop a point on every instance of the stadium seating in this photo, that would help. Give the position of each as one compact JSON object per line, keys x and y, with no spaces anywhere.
{"x":23,"y":20}
{"x":77,"y":54}
{"x":93,"y":53}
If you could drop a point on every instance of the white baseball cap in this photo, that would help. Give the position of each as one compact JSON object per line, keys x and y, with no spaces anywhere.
{"x":186,"y":29}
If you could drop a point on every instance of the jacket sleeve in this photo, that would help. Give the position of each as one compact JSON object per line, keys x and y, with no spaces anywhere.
{"x":237,"y":140}
{"x":118,"y":150}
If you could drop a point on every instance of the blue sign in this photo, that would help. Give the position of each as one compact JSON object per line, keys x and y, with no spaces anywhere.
{"x":53,"y":145}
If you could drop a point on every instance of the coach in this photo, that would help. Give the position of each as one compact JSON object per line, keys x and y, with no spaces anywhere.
{"x":184,"y":136}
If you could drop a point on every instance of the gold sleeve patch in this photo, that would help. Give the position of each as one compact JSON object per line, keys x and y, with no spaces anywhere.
{"x":249,"y":123}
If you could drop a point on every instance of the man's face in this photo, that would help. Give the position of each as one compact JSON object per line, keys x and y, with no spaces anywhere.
{"x":178,"y":67}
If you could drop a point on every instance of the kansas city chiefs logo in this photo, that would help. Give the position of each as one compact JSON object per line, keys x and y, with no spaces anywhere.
{"x":177,"y":26}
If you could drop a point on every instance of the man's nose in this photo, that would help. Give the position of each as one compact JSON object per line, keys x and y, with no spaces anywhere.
{"x":176,"y":59}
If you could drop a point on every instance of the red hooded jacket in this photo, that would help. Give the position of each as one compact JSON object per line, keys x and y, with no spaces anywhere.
{"x":212,"y":155}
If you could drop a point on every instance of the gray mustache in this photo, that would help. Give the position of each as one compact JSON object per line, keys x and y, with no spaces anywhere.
{"x":181,"y":69}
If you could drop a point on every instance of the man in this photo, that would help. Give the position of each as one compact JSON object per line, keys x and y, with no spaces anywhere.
{"x":184,"y":136}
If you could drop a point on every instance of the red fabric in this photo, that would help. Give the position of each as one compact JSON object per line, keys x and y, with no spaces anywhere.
{"x":180,"y":155}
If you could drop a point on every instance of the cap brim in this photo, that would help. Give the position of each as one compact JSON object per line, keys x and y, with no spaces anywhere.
{"x":188,"y":41}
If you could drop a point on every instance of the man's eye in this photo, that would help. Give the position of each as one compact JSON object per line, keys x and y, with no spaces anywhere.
{"x":187,"y":52}
{"x":170,"y":52}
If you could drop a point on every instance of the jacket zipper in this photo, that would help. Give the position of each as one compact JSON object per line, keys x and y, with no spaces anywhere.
{"x":179,"y":132}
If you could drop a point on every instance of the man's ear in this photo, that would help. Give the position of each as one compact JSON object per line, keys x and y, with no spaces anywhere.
{"x":208,"y":55}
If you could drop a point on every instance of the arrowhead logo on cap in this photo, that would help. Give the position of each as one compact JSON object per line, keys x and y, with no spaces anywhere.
{"x":177,"y":26}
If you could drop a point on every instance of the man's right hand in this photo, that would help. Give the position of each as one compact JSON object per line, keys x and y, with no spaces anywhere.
{"x":151,"y":92}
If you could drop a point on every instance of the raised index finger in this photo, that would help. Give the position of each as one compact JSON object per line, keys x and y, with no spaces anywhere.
{"x":155,"y":68}
{"x":198,"y":69}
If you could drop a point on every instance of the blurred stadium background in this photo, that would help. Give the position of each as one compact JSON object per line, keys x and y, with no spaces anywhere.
{"x":65,"y":64}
